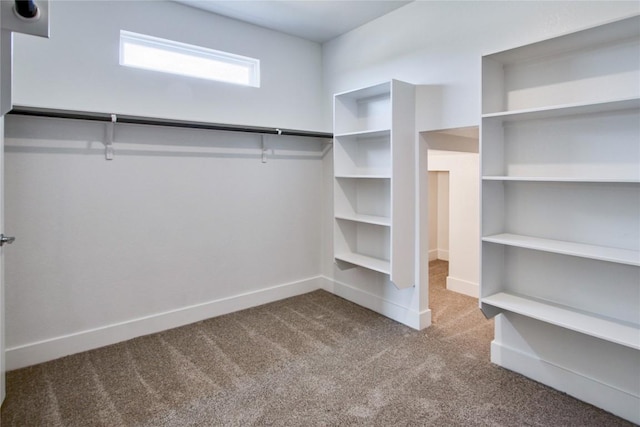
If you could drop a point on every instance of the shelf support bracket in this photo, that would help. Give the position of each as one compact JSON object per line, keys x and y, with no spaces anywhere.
{"x":110,"y":135}
{"x":264,"y":148}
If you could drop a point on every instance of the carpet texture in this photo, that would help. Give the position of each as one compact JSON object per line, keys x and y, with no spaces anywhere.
{"x":311,"y":360}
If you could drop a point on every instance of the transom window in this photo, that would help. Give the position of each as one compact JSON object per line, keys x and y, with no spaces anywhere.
{"x":167,"y":56}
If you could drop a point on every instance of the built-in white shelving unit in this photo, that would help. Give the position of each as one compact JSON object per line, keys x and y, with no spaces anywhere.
{"x":374,"y":180}
{"x":567,"y":317}
{"x":603,"y":253}
{"x":560,"y":154}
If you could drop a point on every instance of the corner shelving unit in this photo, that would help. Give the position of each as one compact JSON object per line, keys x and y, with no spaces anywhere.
{"x":560,"y":154}
{"x":374,"y":185}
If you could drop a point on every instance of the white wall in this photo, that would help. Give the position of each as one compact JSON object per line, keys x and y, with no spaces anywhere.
{"x":438,"y":44}
{"x":443,"y":215}
{"x":438,"y":215}
{"x":2,"y":293}
{"x":464,"y":223}
{"x":78,"y":69}
{"x":182,"y":225}
{"x":433,"y":215}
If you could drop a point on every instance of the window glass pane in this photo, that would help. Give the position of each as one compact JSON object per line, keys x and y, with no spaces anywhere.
{"x":172,"y":57}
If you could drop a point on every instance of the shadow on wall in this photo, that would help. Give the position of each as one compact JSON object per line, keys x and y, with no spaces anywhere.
{"x":429,"y":99}
{"x":66,"y":136}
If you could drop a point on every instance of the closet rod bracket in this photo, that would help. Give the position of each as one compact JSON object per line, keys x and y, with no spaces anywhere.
{"x":110,"y":135}
{"x":264,"y":148}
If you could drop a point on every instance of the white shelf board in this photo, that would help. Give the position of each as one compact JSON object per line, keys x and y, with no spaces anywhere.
{"x":368,"y":133}
{"x":367,"y":219}
{"x":600,"y":327}
{"x":565,"y":110}
{"x":602,"y":253}
{"x":627,"y":28}
{"x":367,"y":92}
{"x":365,"y":176}
{"x":559,"y":179}
{"x":376,"y":264}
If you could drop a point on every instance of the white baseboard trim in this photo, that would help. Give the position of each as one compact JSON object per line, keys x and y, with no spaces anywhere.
{"x":392,"y":310}
{"x":463,"y":286}
{"x":597,"y":393}
{"x":54,"y":348}
{"x":327,"y":284}
{"x":435,"y":254}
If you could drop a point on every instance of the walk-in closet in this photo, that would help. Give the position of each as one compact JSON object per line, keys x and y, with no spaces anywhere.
{"x":319,"y":212}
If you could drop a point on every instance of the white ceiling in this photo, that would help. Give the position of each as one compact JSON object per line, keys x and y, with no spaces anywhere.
{"x":316,"y":20}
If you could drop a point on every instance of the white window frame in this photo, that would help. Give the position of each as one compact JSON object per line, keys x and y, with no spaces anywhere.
{"x":251,"y":65}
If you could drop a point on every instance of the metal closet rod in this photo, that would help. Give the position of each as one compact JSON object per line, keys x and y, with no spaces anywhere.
{"x":139,"y":120}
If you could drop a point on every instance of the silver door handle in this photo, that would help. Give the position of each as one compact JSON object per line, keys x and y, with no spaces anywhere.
{"x":5,"y":239}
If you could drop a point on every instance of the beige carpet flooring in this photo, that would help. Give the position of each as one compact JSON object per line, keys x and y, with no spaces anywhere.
{"x":311,"y":360}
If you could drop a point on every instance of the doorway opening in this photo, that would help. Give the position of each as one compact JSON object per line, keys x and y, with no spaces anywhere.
{"x":453,"y":210}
